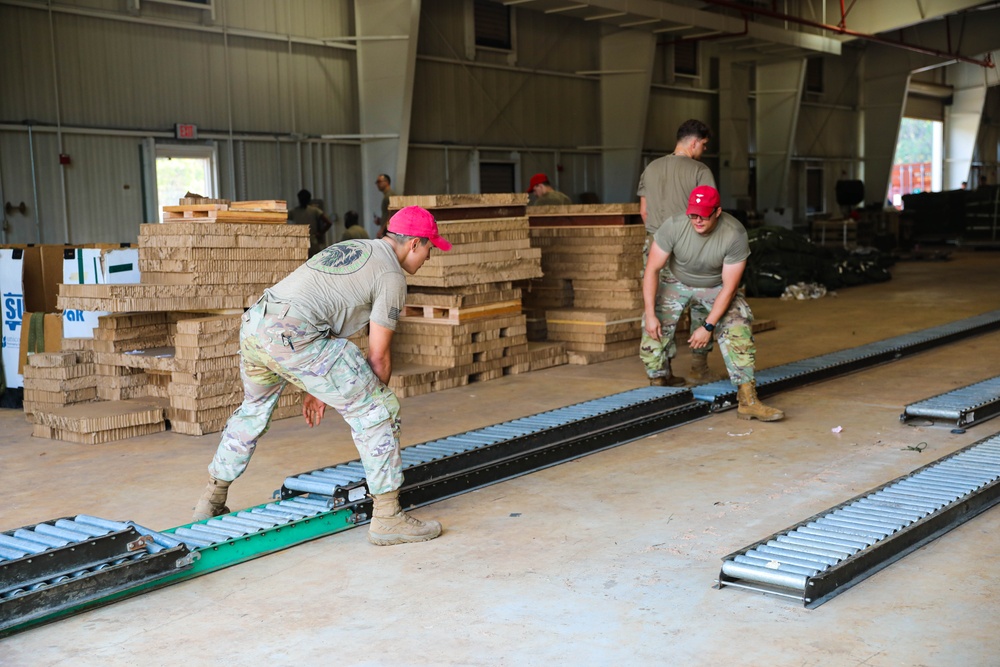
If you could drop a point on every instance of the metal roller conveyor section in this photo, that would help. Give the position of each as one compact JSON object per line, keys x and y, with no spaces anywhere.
{"x":831,"y":551}
{"x":722,"y":395}
{"x":57,"y":565}
{"x":437,"y":469}
{"x":965,"y":406}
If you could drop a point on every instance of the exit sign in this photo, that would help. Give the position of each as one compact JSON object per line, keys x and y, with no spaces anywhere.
{"x":185,"y":131}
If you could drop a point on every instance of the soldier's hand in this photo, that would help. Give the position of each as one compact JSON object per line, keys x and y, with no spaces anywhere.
{"x":699,"y":338}
{"x":312,"y":410}
{"x":652,"y":327}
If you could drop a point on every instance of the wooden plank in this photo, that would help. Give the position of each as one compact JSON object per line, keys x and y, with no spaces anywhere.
{"x":454,"y":314}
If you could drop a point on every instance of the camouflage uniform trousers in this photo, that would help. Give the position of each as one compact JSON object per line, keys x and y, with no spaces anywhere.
{"x":698,"y":313}
{"x":734,"y":331}
{"x":276,"y":349}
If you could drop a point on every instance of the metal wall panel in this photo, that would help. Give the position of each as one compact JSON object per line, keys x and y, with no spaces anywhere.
{"x":668,"y":109}
{"x":103,"y":189}
{"x":26,"y":66}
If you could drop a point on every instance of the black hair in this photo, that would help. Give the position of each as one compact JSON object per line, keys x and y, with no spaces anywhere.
{"x":350,"y":219}
{"x":304,"y":197}
{"x":693,"y":128}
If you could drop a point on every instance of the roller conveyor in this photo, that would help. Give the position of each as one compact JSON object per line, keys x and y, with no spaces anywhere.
{"x":965,"y":406}
{"x":722,"y":395}
{"x":61,"y":564}
{"x":448,"y":466}
{"x":433,"y":470}
{"x":831,"y":551}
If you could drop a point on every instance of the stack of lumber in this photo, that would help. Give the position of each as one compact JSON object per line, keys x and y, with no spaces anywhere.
{"x":56,"y":379}
{"x":591,"y":295}
{"x":169,"y":349}
{"x":463,"y":322}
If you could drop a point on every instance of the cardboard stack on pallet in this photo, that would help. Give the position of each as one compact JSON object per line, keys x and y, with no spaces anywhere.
{"x":463,"y":322}
{"x":170,"y":345}
{"x":592,"y":292}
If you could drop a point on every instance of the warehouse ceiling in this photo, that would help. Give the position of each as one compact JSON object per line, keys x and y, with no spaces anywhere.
{"x":765,"y":28}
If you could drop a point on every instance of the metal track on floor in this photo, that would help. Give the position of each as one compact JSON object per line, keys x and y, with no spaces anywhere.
{"x":441,"y":468}
{"x":829,"y":552}
{"x":965,"y":406}
{"x":722,"y":395}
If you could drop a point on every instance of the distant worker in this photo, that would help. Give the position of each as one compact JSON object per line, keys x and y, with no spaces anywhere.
{"x":352,"y":227}
{"x":307,"y":214}
{"x":663,"y":192}
{"x":707,"y":251}
{"x":545,"y":194}
{"x":384,"y":185}
{"x":297,"y":333}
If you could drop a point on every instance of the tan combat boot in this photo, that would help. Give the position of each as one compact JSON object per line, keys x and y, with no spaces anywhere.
{"x":750,"y":406}
{"x":699,"y":368}
{"x":213,"y":501}
{"x":668,"y":380}
{"x":391,"y":525}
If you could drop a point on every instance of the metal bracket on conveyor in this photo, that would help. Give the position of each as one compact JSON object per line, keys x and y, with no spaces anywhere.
{"x":66,"y":562}
{"x":965,"y":406}
{"x":722,"y":395}
{"x":441,"y":468}
{"x":828,"y":553}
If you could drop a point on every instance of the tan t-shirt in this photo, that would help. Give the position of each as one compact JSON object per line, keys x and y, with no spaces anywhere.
{"x":345,"y":286}
{"x":697,"y":260}
{"x":666,"y":183}
{"x":552,"y":198}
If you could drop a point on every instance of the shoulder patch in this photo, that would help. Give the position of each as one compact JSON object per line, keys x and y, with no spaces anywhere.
{"x":341,"y":258}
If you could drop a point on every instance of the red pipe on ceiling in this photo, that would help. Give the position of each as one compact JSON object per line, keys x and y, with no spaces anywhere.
{"x":850,"y":33}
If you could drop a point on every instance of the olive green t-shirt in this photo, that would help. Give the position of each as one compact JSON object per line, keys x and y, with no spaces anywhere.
{"x":552,"y":198}
{"x":345,"y":286}
{"x":666,"y":183}
{"x":697,"y":260}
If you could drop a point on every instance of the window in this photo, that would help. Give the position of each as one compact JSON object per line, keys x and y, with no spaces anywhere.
{"x":814,"y":75}
{"x":917,"y":165}
{"x":496,"y":177}
{"x":686,"y":57}
{"x":814,"y":190}
{"x":492,"y":25}
{"x":184,"y":169}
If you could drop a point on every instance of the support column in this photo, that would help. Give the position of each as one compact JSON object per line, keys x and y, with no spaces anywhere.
{"x":626,"y":75}
{"x":779,"y":91}
{"x":883,"y":93}
{"x":733,"y":133}
{"x":961,"y":122}
{"x":385,"y":90}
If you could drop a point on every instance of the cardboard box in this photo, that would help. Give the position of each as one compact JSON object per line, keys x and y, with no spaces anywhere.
{"x":95,"y":266}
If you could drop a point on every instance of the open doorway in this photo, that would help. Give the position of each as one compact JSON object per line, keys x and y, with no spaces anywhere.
{"x":917,"y":165}
{"x":183,"y":169}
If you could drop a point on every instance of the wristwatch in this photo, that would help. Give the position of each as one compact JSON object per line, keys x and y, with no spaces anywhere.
{"x":708,"y":326}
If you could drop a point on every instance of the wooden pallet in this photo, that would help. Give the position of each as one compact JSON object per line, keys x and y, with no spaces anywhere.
{"x":455,"y":314}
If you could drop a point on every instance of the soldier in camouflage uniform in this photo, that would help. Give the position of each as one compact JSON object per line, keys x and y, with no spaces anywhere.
{"x":297,"y":333}
{"x":707,"y":252}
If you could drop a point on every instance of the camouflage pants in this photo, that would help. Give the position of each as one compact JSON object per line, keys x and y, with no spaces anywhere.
{"x":276,"y":349}
{"x":733,"y":331}
{"x":697,"y":311}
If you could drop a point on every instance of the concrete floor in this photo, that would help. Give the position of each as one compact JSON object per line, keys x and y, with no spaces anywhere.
{"x":605,"y":560}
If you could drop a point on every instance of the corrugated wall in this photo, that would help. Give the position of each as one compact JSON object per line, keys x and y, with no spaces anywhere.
{"x":121,"y":79}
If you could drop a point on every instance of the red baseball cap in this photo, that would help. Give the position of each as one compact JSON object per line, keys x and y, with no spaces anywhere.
{"x":537,"y":179}
{"x":703,"y":201}
{"x":416,"y":221}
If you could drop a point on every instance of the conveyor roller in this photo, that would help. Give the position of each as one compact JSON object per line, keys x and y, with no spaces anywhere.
{"x":831,"y":551}
{"x":965,"y":406}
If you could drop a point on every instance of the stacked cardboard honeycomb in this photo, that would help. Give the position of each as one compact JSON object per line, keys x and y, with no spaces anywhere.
{"x":170,"y":346}
{"x":57,"y":379}
{"x":591,"y":295}
{"x":463,"y":320}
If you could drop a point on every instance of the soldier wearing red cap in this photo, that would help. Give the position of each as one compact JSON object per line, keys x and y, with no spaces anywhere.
{"x":297,"y":333}
{"x":545,"y":194}
{"x":707,"y":251}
